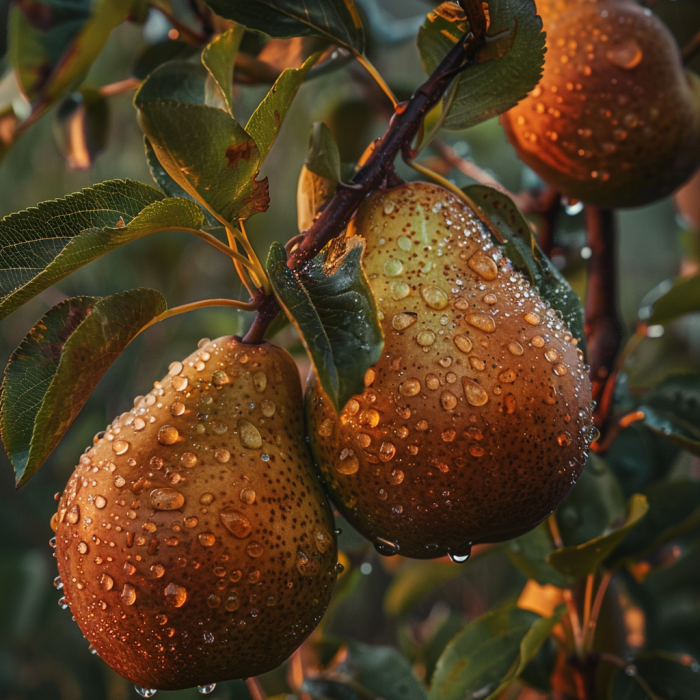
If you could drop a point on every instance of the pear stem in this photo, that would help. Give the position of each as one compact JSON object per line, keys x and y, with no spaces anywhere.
{"x":603,"y":325}
{"x":403,"y":127}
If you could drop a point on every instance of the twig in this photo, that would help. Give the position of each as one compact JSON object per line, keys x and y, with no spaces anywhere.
{"x":403,"y":127}
{"x":255,"y":689}
{"x":603,"y":324}
{"x":191,"y":36}
{"x":466,"y":167}
{"x":622,"y":664}
{"x":691,"y":49}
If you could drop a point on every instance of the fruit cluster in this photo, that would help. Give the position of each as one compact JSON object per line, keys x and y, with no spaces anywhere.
{"x":194,"y":541}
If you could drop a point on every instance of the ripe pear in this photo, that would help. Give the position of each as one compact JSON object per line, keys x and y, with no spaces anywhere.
{"x":615,"y":120}
{"x":193,"y":540}
{"x":475,"y":422}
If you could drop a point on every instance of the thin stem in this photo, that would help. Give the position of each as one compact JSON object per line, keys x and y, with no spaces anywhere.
{"x":597,"y":605}
{"x":446,"y":107}
{"x":191,"y":36}
{"x":255,"y":689}
{"x":241,"y":268}
{"x":554,"y":530}
{"x":177,"y":310}
{"x":575,"y":621}
{"x":259,"y":269}
{"x":587,"y":600}
{"x":120,"y":87}
{"x":691,"y":49}
{"x":603,"y":324}
{"x":376,"y":75}
{"x":621,"y":663}
{"x":444,"y":182}
{"x":467,"y":167}
{"x":216,"y":243}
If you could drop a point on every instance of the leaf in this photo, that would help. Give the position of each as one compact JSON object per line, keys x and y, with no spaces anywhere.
{"x":52,"y":44}
{"x":56,"y":367}
{"x":43,"y":244}
{"x":336,"y":20}
{"x":529,"y":553}
{"x":671,"y":300}
{"x":512,"y":68}
{"x":592,"y":506}
{"x":81,"y":126}
{"x":219,"y":58}
{"x":521,"y":247}
{"x":313,"y":191}
{"x":672,"y":410}
{"x":318,"y":301}
{"x":415,"y":583}
{"x":323,"y":157}
{"x":674,"y":510}
{"x":158,"y":54}
{"x":265,"y":122}
{"x":489,"y":653}
{"x":383,"y":670}
{"x":665,"y":675}
{"x":329,"y":689}
{"x":584,"y":559}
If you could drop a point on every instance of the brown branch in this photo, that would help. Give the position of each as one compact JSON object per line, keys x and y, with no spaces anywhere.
{"x":603,"y":324}
{"x":403,"y":127}
{"x":691,"y":49}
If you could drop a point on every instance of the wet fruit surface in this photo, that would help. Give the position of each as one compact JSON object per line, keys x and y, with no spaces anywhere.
{"x":193,"y":540}
{"x":615,"y":121}
{"x":475,"y":422}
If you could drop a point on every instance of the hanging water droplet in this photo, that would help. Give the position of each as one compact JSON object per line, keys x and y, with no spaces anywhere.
{"x":175,"y":595}
{"x":385,"y":547}
{"x":145,"y":692}
{"x":462,"y":555}
{"x":347,"y":462}
{"x":206,"y":689}
{"x":128,"y":594}
{"x":120,"y":447}
{"x":627,"y":54}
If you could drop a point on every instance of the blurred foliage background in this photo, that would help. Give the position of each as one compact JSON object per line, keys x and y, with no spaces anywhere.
{"x":43,"y":655}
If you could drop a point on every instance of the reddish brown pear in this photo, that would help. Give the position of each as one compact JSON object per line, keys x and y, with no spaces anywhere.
{"x":193,"y":540}
{"x":615,"y":120}
{"x":476,"y":421}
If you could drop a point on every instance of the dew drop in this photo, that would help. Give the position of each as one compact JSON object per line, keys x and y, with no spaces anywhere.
{"x":219,"y":378}
{"x":551,"y":355}
{"x":206,"y":689}
{"x":188,"y":459}
{"x":166,"y":499}
{"x":483,"y":265}
{"x":404,"y":320}
{"x":386,"y":451}
{"x":175,"y":595}
{"x":393,"y":268}
{"x":369,"y":418}
{"x":432,"y":382}
{"x":73,"y":515}
{"x":410,"y":387}
{"x":347,"y":462}
{"x":139,"y":424}
{"x":399,"y":290}
{"x":168,"y":435}
{"x":254,"y":549}
{"x":176,"y":409}
{"x":100,"y":502}
{"x":515,"y":349}
{"x":475,"y":394}
{"x":434,"y":297}
{"x":268,"y":408}
{"x":463,"y":343}
{"x":532,"y":318}
{"x":222,"y":456}
{"x":425,"y":338}
{"x":247,"y":495}
{"x":538,"y":341}
{"x":145,"y":692}
{"x":564,"y":439}
{"x":120,"y":447}
{"x":128,"y":594}
{"x":206,"y":539}
{"x":82,"y":548}
{"x":236,"y":523}
{"x":507,"y":376}
{"x":158,"y":570}
{"x":461,"y":556}
{"x":232,"y":603}
{"x":107,"y":582}
{"x":481,"y":321}
{"x":405,"y":243}
{"x":448,"y":400}
{"x":560,"y":370}
{"x":248,"y":435}
{"x":260,"y":381}
{"x":180,"y":383}
{"x":627,"y":54}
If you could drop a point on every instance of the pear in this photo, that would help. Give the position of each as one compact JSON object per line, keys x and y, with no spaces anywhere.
{"x":193,"y":540}
{"x":475,"y":422}
{"x":615,"y":120}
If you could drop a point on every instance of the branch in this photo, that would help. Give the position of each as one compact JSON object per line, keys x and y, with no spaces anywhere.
{"x":603,"y":324}
{"x":403,"y":127}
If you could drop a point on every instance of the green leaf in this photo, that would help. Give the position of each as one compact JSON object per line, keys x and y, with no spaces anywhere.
{"x":416,"y":582}
{"x":207,"y":153}
{"x":383,"y":670}
{"x":329,"y":689}
{"x":504,"y":73}
{"x":53,"y":55}
{"x":674,"y":510}
{"x":265,"y":122}
{"x":671,"y":300}
{"x":489,"y":653}
{"x":219,"y":58}
{"x":672,"y":410}
{"x":318,"y":301}
{"x":584,"y":559}
{"x":529,"y":553}
{"x":52,"y":373}
{"x":336,"y":20}
{"x":521,"y":247}
{"x":41,"y":245}
{"x":323,"y":157}
{"x":665,"y":675}
{"x":592,"y":506}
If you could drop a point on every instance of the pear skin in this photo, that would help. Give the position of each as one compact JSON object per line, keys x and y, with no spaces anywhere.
{"x":476,"y":421}
{"x":193,"y":540}
{"x":615,"y":120}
